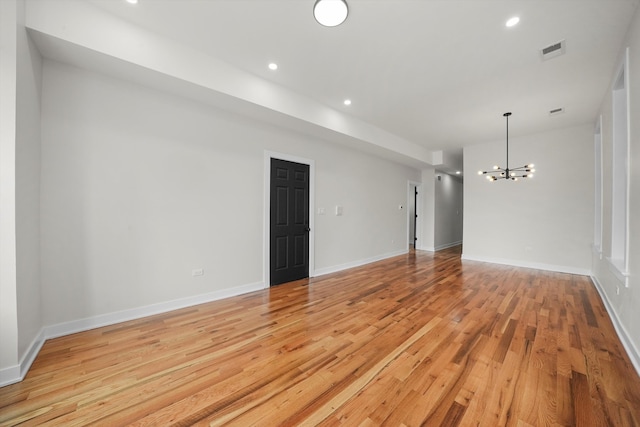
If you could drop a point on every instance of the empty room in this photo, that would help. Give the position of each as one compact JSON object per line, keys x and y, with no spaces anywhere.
{"x":320,"y":212}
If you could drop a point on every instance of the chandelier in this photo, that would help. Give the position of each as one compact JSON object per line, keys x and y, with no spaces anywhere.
{"x":513,"y":174}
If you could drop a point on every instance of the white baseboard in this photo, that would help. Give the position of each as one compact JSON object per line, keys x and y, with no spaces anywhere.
{"x":624,"y":336}
{"x":526,"y":264}
{"x":86,"y":324}
{"x":14,"y":374}
{"x":346,"y":266}
{"x":448,"y":245}
{"x":10,"y":375}
{"x":439,"y":247}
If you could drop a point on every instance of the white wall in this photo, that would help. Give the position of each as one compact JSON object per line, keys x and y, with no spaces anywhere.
{"x":21,"y":320}
{"x":448,"y":211}
{"x":544,"y":222}
{"x":140,"y":187}
{"x":29,"y":84}
{"x":625,"y":306}
{"x":370,"y":190}
{"x":426,"y":239}
{"x":8,"y":89}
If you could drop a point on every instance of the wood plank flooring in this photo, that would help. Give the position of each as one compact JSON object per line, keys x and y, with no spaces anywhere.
{"x":419,"y":339}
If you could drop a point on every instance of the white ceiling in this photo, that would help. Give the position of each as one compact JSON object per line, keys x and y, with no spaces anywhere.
{"x":439,"y":73}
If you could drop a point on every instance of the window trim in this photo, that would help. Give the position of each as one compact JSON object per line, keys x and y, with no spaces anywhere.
{"x":599,"y":189}
{"x":619,"y":255}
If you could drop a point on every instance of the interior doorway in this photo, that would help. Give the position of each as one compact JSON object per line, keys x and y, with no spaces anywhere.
{"x":413,"y":224}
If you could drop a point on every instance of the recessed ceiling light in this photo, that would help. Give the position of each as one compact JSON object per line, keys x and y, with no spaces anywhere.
{"x":347,"y":102}
{"x":132,"y":1}
{"x":458,"y":172}
{"x":273,"y":66}
{"x":512,"y":21}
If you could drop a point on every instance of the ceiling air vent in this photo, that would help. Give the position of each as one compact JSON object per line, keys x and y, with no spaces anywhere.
{"x":556,"y":111}
{"x":553,"y":50}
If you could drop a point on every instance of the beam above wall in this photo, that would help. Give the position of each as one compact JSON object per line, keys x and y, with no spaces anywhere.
{"x":83,"y":35}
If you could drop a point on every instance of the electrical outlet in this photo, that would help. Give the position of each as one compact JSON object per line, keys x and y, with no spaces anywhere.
{"x":197,"y":272}
{"x":617,"y":290}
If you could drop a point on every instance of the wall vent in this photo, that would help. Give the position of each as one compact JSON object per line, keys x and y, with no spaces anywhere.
{"x":556,"y":111}
{"x":553,"y":50}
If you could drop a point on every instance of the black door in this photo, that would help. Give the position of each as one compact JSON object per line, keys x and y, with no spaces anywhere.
{"x":289,"y":246}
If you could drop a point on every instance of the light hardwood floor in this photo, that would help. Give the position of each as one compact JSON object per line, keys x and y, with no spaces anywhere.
{"x":420,"y":339}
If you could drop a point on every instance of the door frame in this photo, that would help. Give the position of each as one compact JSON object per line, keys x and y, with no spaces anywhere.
{"x":418,"y":211}
{"x":266,"y":250}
